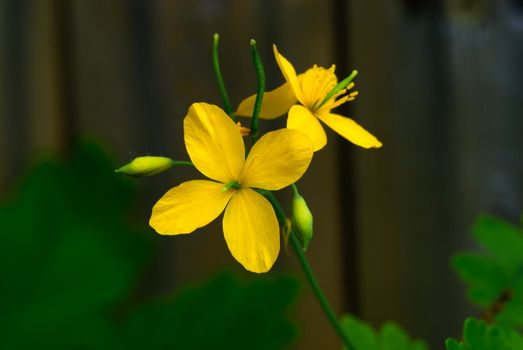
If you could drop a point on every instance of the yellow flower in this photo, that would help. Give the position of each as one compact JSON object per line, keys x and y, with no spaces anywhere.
{"x":216,"y":149}
{"x":309,"y":89}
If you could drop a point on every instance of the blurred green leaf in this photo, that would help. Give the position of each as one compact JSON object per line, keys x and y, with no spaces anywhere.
{"x":390,"y":337}
{"x":70,"y":259}
{"x":67,"y":254}
{"x":477,"y":335}
{"x":496,"y":273}
{"x":502,"y":240}
{"x":222,"y":314}
{"x":512,"y":313}
{"x":486,"y":278}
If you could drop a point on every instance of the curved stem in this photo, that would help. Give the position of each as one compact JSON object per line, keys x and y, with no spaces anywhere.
{"x":219,"y":78}
{"x":260,"y":74}
{"x":311,"y":278}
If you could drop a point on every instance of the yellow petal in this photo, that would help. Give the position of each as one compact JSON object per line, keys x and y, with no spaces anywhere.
{"x":275,"y":103}
{"x":277,"y":160}
{"x":251,"y":230}
{"x":300,"y":118}
{"x":350,"y":130}
{"x":213,"y":142}
{"x":186,"y":207}
{"x":289,"y":73}
{"x":316,"y":83}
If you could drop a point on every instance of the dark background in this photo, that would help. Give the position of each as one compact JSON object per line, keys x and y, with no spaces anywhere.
{"x":441,"y":85}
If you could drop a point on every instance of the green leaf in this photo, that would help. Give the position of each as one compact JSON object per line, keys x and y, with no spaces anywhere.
{"x":502,"y":239}
{"x":223,"y":314}
{"x":70,"y":260}
{"x":497,"y":272}
{"x":390,"y":337}
{"x":512,"y":312}
{"x":67,"y":255}
{"x":477,"y":335}
{"x":487,"y":280}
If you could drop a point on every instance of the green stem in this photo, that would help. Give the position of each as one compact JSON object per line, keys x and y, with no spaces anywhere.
{"x":219,"y":78}
{"x":295,"y":190}
{"x":260,"y":73}
{"x":182,"y":162}
{"x":320,"y":296}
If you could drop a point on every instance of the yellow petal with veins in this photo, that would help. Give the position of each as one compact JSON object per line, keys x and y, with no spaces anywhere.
{"x":251,"y":230}
{"x":186,"y":207}
{"x":277,"y":160}
{"x":289,"y":73}
{"x":350,"y":130}
{"x":275,"y":103}
{"x":300,"y":118}
{"x":213,"y":142}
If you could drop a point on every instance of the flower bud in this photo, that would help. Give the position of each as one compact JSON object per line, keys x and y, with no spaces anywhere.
{"x":301,"y":220}
{"x":146,"y":166}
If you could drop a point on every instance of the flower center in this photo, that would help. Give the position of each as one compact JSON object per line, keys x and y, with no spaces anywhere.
{"x":316,"y":83}
{"x":233,"y":184}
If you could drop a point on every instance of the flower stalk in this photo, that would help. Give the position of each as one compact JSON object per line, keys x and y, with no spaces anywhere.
{"x":309,"y":274}
{"x":260,"y":74}
{"x":221,"y":85}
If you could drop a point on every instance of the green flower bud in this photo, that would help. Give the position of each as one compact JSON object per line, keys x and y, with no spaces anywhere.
{"x":146,"y":166}
{"x":301,"y":220}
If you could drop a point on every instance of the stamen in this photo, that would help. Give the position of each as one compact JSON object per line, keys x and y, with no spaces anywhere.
{"x":316,"y":82}
{"x":340,"y":86}
{"x":243,"y":130}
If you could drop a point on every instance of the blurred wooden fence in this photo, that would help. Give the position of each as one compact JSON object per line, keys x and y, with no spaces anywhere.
{"x":440,"y":84}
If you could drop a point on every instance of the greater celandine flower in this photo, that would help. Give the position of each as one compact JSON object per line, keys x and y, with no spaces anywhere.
{"x":310,"y":89}
{"x":216,"y":148}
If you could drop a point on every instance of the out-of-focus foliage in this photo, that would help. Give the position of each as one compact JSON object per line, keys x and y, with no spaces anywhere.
{"x":223,"y":314}
{"x":70,"y":260}
{"x":495,"y":278}
{"x":391,"y":337}
{"x":477,"y":335}
{"x":67,"y":256}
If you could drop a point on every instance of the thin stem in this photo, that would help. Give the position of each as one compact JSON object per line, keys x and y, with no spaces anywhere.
{"x":182,"y":162}
{"x":322,"y":299}
{"x":260,"y":74}
{"x":340,"y":86}
{"x":295,"y":189}
{"x":219,"y":78}
{"x":320,"y":296}
{"x":495,"y":308}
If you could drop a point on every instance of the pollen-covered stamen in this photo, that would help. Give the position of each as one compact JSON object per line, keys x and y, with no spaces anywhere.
{"x":353,"y":94}
{"x":315,"y":84}
{"x":334,"y":102}
{"x":340,"y":88}
{"x":233,"y":184}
